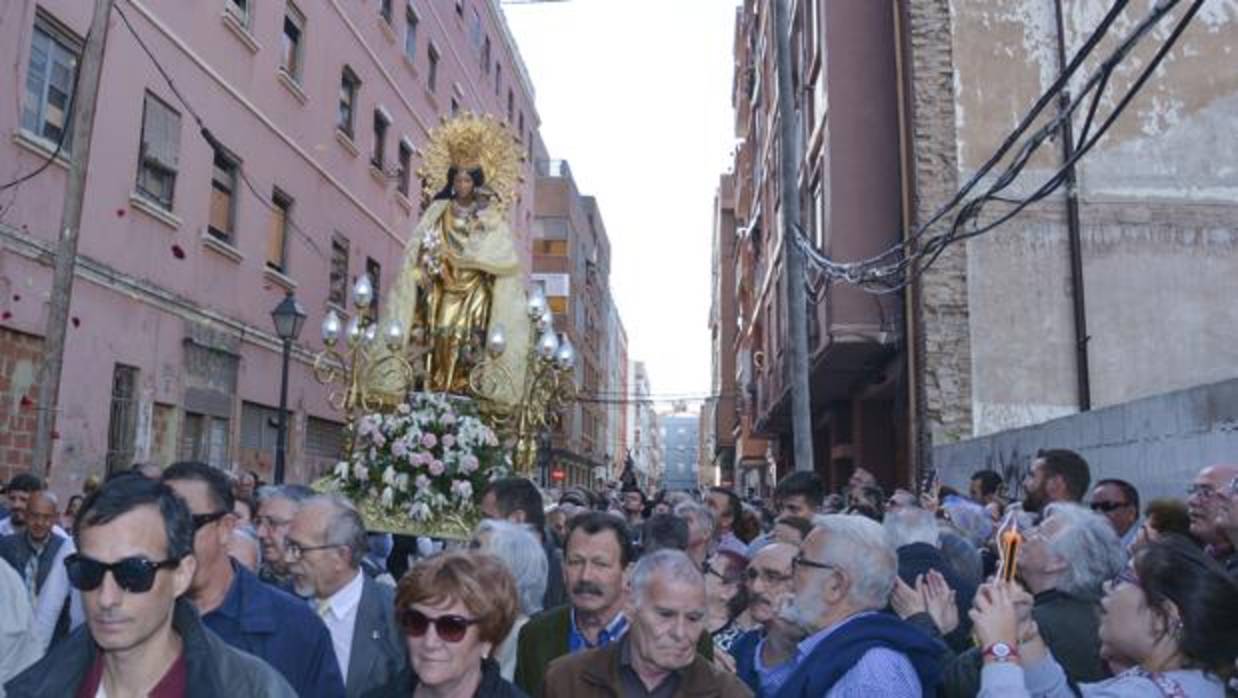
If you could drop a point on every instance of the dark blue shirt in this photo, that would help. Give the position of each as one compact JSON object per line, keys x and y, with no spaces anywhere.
{"x":280,"y":630}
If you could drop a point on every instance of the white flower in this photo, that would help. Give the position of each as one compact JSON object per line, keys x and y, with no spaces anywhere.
{"x":402,"y":481}
{"x":389,"y":476}
{"x":388,"y":497}
{"x":422,"y":482}
{"x":463,"y":489}
{"x":419,"y":511}
{"x":359,"y":472}
{"x":341,"y":470}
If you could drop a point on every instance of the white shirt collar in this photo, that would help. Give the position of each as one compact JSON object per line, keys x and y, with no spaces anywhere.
{"x":348,"y":597}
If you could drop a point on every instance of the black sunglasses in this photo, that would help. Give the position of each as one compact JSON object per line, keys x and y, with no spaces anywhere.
{"x":133,"y":574}
{"x":200,"y":520}
{"x":1107,"y":507}
{"x":450,"y":628}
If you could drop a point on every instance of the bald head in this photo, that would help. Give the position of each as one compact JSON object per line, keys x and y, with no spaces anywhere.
{"x":1207,"y":493}
{"x":42,"y":512}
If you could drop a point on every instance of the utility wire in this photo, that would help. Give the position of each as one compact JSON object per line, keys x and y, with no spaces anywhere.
{"x":916,"y":254}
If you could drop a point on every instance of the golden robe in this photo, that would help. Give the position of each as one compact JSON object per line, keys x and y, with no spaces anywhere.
{"x":479,"y":285}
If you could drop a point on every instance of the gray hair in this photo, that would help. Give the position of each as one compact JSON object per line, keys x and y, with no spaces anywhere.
{"x":857,"y":545}
{"x":523,"y":555}
{"x":703,"y":515}
{"x":297,"y":494}
{"x":673,"y":565}
{"x":911,"y":525}
{"x":345,"y":527}
{"x":1090,"y":547}
{"x":250,"y":536}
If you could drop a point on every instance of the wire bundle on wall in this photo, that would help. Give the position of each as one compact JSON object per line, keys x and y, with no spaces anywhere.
{"x":899,"y":266}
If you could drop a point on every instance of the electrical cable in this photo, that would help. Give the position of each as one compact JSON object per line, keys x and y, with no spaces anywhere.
{"x":894,"y":277}
{"x":211,"y":140}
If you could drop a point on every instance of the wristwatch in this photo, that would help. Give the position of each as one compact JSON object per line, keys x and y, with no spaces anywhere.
{"x":1001,"y":652}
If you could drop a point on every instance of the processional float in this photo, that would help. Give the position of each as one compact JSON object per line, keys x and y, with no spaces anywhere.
{"x":449,"y":382}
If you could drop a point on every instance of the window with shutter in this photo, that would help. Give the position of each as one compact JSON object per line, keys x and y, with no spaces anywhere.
{"x":159,"y":156}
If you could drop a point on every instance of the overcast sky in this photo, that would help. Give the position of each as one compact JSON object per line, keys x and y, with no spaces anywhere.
{"x":636,"y":95}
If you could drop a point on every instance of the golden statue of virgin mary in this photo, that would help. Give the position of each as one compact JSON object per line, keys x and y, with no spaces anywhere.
{"x":460,"y":283}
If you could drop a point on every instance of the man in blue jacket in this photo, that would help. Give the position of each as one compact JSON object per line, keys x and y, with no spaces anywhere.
{"x":245,"y":612}
{"x":843,"y":576}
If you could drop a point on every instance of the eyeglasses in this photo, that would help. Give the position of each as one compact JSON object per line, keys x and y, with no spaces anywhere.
{"x":1203,"y":490}
{"x":450,"y":628}
{"x":294,"y":550}
{"x":270,"y":522}
{"x":200,"y":520}
{"x":709,"y":569}
{"x":133,"y":574}
{"x":801,"y":560}
{"x":768,"y":576}
{"x":1107,"y":507}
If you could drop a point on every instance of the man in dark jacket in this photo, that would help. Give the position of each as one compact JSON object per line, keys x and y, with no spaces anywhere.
{"x":245,"y":612}
{"x":913,"y":533}
{"x":598,"y":549}
{"x":764,"y":657}
{"x":135,"y":561}
{"x":658,"y":656}
{"x":37,"y":552}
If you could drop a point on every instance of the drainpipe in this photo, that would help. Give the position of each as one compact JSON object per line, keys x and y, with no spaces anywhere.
{"x":1072,"y":227}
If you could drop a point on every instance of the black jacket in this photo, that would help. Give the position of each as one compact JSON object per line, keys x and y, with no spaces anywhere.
{"x":1069,"y":626}
{"x":213,"y":668}
{"x":917,"y":559}
{"x":492,"y":685}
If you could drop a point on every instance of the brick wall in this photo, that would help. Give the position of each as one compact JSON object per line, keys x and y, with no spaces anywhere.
{"x":20,"y":356}
{"x":943,"y":333}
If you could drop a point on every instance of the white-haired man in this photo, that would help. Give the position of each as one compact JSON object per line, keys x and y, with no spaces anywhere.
{"x":658,"y":655}
{"x":1064,"y":562}
{"x":843,"y":576}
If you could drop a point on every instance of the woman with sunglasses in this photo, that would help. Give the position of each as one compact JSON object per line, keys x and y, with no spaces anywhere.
{"x":455,"y":608}
{"x":1174,"y":616}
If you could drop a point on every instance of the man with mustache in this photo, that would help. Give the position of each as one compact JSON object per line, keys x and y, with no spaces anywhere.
{"x":658,"y":656}
{"x":277,"y":507}
{"x":597,"y":551}
{"x":763,"y":656}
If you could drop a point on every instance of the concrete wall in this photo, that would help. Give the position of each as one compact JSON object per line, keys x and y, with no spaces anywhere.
{"x":1158,"y":205}
{"x":1156,"y":443}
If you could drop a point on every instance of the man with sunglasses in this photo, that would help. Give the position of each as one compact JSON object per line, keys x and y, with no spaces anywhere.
{"x":763,"y":656}
{"x":324,"y":548}
{"x":134,"y":563}
{"x":1118,"y":501}
{"x":243,"y":610}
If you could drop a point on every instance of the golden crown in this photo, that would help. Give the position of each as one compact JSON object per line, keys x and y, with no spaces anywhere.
{"x":469,"y":141}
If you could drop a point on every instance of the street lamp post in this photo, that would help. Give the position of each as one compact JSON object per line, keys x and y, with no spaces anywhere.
{"x":288,"y":317}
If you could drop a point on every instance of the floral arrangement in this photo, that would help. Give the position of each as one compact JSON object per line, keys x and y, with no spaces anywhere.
{"x":420,"y":468}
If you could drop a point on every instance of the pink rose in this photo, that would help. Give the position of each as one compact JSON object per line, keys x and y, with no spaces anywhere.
{"x":469,"y":464}
{"x":428,"y":440}
{"x":436,"y":467}
{"x":449,"y":418}
{"x":448,"y":441}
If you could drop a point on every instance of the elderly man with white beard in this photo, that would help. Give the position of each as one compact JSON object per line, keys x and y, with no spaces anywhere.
{"x":843,"y":577}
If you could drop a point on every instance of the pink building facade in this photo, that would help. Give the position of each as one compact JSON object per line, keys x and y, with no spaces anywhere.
{"x":318,"y":112}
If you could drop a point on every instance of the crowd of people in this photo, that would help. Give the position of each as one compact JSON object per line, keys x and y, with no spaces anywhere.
{"x":190,"y":581}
